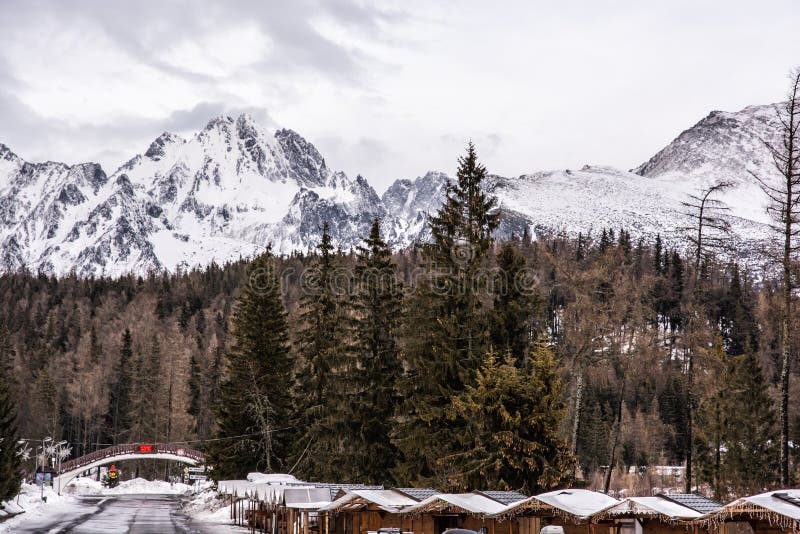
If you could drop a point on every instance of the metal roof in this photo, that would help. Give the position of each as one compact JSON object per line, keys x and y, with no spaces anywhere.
{"x":788,"y":497}
{"x":335,"y":488}
{"x":696,"y":502}
{"x":418,"y":494}
{"x":503,"y":497}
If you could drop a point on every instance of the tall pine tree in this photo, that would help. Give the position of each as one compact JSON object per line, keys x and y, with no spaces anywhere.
{"x":10,"y":477}
{"x":448,"y":331}
{"x":376,"y":305}
{"x":752,"y":452}
{"x":322,"y":390}
{"x":254,"y":405}
{"x":516,"y":304}
{"x":119,"y":417}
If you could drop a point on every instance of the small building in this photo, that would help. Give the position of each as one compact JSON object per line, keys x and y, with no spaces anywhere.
{"x":647,"y":515}
{"x":443,"y":511}
{"x":362,"y":511}
{"x":773,"y":512}
{"x":570,"y":509}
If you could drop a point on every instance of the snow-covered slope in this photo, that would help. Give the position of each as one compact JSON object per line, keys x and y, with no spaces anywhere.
{"x":233,"y":187}
{"x":646,"y":201}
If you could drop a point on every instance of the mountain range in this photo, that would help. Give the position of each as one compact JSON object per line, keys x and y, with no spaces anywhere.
{"x":233,"y":187}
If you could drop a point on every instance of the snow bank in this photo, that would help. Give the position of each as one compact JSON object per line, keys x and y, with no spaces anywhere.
{"x":31,"y":504}
{"x":89,"y":486}
{"x":208,"y":506}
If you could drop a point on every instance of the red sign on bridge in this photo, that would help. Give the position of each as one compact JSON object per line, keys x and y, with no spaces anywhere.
{"x":145,"y":448}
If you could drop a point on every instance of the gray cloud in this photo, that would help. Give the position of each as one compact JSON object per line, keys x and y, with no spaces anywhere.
{"x":535,"y":84}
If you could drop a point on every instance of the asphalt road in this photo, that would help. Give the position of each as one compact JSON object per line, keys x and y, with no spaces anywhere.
{"x":129,"y":514}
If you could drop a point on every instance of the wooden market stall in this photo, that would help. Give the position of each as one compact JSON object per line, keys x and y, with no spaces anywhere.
{"x":773,"y":512}
{"x":363,"y":511}
{"x":444,"y":511}
{"x":570,"y":509}
{"x":648,"y":515}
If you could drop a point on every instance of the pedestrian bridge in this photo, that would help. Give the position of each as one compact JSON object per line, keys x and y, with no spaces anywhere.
{"x":119,"y":453}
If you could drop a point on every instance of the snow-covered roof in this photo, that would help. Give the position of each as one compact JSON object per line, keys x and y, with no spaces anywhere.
{"x":781,"y":507}
{"x":469,"y":503}
{"x":271,"y":493}
{"x":306,"y":498}
{"x":273,"y":478}
{"x":238,"y":487}
{"x":577,"y":503}
{"x":336,"y":488}
{"x":389,"y":500}
{"x":649,"y":507}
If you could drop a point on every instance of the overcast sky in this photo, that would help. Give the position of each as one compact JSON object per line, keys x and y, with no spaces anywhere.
{"x":389,"y":90}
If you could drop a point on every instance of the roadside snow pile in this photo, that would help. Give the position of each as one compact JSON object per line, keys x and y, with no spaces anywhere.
{"x":30,"y":504}
{"x":89,"y":486}
{"x":83,"y":486}
{"x":209,"y":506}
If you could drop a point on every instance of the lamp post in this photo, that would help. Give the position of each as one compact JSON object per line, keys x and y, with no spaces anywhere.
{"x":44,"y":462}
{"x":59,"y":453}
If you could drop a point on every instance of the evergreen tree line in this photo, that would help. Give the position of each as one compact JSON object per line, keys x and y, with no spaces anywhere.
{"x":463,"y":363}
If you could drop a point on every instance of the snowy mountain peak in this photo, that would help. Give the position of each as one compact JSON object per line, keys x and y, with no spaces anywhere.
{"x":233,"y":187}
{"x":723,"y":145}
{"x":157,"y":148}
{"x":6,"y":153}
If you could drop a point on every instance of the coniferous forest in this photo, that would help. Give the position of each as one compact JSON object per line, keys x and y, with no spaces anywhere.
{"x":462,"y":363}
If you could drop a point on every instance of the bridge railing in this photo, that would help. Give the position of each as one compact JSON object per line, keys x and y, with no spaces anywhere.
{"x":131,"y":448}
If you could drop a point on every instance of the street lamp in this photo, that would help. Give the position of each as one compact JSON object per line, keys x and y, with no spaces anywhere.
{"x":48,"y":439}
{"x":60,"y":453}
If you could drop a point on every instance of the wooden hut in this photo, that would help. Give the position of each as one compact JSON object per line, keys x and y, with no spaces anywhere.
{"x":302,"y":506}
{"x":571,"y":509}
{"x":648,"y":515}
{"x":362,"y":511}
{"x":444,"y":511}
{"x":773,"y":512}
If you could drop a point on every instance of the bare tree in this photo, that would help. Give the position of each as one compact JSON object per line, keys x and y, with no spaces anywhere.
{"x":708,"y":232}
{"x":783,"y":191}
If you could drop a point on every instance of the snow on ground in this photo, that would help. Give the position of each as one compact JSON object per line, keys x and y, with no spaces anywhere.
{"x":202,"y":507}
{"x":30,"y":502}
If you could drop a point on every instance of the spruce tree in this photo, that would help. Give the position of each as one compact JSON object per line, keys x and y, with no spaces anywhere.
{"x":254,"y":405}
{"x":322,"y":388}
{"x":516,"y":304}
{"x":119,"y":416}
{"x":752,"y":453}
{"x":447,"y":327}
{"x":512,"y":439}
{"x":711,"y":423}
{"x":376,"y":306}
{"x":10,"y":476}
